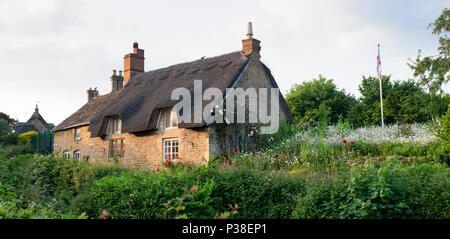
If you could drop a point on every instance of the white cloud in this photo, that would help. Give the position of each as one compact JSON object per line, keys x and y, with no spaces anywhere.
{"x":53,"y":50}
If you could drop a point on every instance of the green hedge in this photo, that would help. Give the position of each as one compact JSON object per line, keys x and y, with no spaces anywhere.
{"x":52,"y":181}
{"x":386,"y":189}
{"x":142,"y":195}
{"x":383,"y":190}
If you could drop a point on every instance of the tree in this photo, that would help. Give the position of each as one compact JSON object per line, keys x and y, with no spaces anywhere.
{"x":370,"y":99}
{"x":6,"y":134}
{"x":6,"y":118}
{"x":319,"y":100}
{"x":407,"y":102}
{"x":403,"y":101}
{"x":5,"y":128}
{"x":433,"y":71}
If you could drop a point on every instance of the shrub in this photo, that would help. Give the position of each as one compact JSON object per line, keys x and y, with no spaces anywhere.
{"x":142,"y":195}
{"x":16,"y":150}
{"x":9,"y":139}
{"x":378,"y":190}
{"x":322,"y":198}
{"x":427,"y":191}
{"x":258,"y":194}
{"x":25,"y":138}
{"x":443,"y":133}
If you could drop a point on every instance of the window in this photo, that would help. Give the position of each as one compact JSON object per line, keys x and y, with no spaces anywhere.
{"x":116,"y":148}
{"x":170,"y":119}
{"x":170,"y":148}
{"x":77,"y":133}
{"x":77,"y":155}
{"x":116,"y":126}
{"x":66,"y":155}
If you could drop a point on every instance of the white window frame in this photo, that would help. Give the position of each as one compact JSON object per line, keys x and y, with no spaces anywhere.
{"x":77,"y":133}
{"x":77,"y":155}
{"x":172,"y":115}
{"x":171,"y":147}
{"x":116,"y":126}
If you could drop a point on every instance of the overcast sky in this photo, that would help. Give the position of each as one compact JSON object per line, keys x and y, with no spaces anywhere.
{"x":52,"y":51}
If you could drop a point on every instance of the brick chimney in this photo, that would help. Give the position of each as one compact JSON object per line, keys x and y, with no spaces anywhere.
{"x":251,"y":46}
{"x":116,"y":81}
{"x":133,"y":63}
{"x":91,"y":93}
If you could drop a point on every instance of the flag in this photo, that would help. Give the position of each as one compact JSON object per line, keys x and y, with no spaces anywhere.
{"x":379,"y":63}
{"x":381,"y":87}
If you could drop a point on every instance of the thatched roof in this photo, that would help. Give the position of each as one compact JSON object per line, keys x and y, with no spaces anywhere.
{"x":140,"y":101}
{"x":84,"y":114}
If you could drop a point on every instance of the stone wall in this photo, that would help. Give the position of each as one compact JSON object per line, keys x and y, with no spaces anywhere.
{"x":140,"y":151}
{"x":253,"y":77}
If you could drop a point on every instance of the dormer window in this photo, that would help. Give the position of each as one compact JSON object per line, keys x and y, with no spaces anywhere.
{"x":169,"y":119}
{"x":77,"y":133}
{"x":116,"y":124}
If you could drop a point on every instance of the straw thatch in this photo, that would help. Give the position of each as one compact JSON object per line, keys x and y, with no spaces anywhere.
{"x":139,"y":103}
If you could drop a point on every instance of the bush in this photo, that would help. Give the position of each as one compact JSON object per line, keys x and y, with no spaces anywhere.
{"x":258,"y":194}
{"x":25,"y":138}
{"x":443,"y":133}
{"x":142,"y":195}
{"x":34,"y":186}
{"x":9,"y":139}
{"x":42,"y":179}
{"x":322,"y":198}
{"x":11,"y":151}
{"x":427,"y":191}
{"x":378,"y":190}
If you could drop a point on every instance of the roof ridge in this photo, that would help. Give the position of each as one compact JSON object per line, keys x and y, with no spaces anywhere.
{"x":190,"y":62}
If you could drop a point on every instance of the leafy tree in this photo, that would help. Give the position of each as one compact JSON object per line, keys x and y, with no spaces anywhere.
{"x":5,"y":129}
{"x":370,"y":99}
{"x":433,"y":71}
{"x":6,"y":118}
{"x":403,"y":101}
{"x":319,"y":100}
{"x":407,"y":102}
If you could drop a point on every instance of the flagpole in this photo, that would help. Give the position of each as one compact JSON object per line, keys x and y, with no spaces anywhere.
{"x":381,"y":88}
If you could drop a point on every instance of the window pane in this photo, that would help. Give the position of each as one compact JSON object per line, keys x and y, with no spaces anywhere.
{"x":170,"y":148}
{"x":173,"y":119}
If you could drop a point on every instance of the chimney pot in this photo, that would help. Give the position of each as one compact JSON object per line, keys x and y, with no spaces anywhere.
{"x":91,"y":93}
{"x":116,"y":81}
{"x":251,"y":46}
{"x":249,"y":30}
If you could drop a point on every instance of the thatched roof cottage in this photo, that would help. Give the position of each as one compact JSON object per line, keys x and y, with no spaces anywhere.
{"x":135,"y":124}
